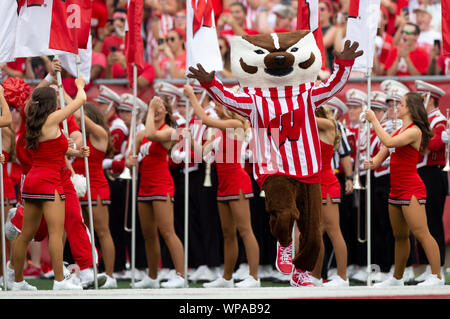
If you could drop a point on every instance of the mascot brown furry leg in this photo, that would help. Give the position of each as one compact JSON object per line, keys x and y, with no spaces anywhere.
{"x":288,"y":200}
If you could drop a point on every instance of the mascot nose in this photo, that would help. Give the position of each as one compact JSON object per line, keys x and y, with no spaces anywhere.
{"x":280,"y":59}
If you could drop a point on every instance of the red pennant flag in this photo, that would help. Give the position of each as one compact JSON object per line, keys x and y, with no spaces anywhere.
{"x":445,"y":27}
{"x":134,"y":46}
{"x":80,"y":18}
{"x":308,"y":19}
{"x":62,"y":36}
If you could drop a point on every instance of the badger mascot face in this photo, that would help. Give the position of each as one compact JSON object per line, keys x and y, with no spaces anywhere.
{"x":277,"y":74}
{"x":276,"y":59}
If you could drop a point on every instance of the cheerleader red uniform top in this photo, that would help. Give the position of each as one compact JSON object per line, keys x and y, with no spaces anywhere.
{"x":8,"y":186}
{"x":98,"y":182}
{"x":328,"y":181}
{"x":156,"y":182}
{"x":231,"y":176}
{"x":405,"y":182}
{"x":47,"y":165}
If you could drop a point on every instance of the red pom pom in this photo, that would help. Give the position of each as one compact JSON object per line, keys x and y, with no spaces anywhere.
{"x":17,"y":92}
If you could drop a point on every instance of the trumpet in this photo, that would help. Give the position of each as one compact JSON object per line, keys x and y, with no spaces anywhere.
{"x":447,"y":149}
{"x":207,"y":181}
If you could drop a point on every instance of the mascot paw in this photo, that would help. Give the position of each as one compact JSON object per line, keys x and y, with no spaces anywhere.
{"x":349,"y":52}
{"x":200,"y":74}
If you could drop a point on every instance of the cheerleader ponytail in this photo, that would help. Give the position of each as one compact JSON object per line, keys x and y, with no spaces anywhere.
{"x":43,"y":103}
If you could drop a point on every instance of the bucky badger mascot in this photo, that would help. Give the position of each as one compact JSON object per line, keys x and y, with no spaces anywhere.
{"x":277,"y":74}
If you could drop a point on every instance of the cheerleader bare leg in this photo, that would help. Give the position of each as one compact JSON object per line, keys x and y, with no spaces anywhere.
{"x":230,"y":243}
{"x":163,"y":211}
{"x":54,"y":217}
{"x":240,"y":213}
{"x":150,"y":234}
{"x":100,"y":216}
{"x":416,"y":218}
{"x":330,"y":222}
{"x":31,"y":222}
{"x":402,"y":247}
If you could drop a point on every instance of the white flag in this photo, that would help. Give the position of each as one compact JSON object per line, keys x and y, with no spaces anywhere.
{"x":68,"y":62}
{"x":8,"y":23}
{"x":202,"y":45}
{"x":43,"y":28}
{"x":362,"y":25}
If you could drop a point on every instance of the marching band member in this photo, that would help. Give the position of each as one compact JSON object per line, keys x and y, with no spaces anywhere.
{"x":355,"y":101}
{"x":234,"y":190}
{"x":408,"y":193}
{"x":100,"y":146}
{"x":204,"y":226}
{"x":383,"y":240}
{"x":430,"y":170}
{"x":155,"y":196}
{"x":331,"y":197}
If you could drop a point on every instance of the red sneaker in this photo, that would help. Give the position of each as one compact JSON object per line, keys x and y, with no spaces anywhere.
{"x":301,"y":278}
{"x":32,"y":272}
{"x":284,"y":259}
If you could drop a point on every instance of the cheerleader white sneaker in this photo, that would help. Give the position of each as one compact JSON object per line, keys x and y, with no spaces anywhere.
{"x":317,"y":282}
{"x":111,"y":283}
{"x":220,"y":283}
{"x":249,"y":282}
{"x":390,"y":282}
{"x":22,"y":285}
{"x":87,"y":279}
{"x":146,"y":282}
{"x":66,"y":284}
{"x":336,"y":281}
{"x":432,"y":280}
{"x":174,"y":282}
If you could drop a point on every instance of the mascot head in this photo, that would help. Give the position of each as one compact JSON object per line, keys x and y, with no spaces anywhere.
{"x":275,"y":59}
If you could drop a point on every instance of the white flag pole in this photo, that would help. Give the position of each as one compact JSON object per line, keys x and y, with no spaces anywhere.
{"x":88,"y":184}
{"x":368,"y":210}
{"x":61,"y":99}
{"x":187,"y":148}
{"x":2,"y":202}
{"x":134,"y":178}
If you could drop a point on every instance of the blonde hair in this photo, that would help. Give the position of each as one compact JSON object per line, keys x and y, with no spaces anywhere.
{"x":325,"y":112}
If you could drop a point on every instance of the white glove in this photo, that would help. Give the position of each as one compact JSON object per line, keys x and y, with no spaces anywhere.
{"x":444,"y":137}
{"x":107,"y":163}
{"x":80,"y":184}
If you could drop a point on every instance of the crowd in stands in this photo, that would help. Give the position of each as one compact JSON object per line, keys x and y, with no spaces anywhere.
{"x":408,"y":42}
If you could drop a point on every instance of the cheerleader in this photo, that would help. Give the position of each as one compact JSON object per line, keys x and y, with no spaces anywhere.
{"x":233,"y":191}
{"x":42,"y":189}
{"x":408,"y":193}
{"x":100,"y":146}
{"x":156,"y":192}
{"x":331,"y":197}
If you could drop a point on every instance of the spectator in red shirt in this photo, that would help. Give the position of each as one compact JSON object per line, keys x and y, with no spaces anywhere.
{"x":172,"y":64}
{"x":234,"y":21}
{"x":146,"y":77}
{"x":407,"y":58}
{"x":383,"y":44}
{"x":114,"y":47}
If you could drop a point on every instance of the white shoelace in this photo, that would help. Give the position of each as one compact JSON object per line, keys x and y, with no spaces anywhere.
{"x":286,"y":254}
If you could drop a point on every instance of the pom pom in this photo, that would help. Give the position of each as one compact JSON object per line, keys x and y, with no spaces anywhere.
{"x":80,"y":184}
{"x":17,"y":92}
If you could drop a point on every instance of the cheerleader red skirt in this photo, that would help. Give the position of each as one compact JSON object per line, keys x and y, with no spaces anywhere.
{"x":232,"y":180}
{"x":329,"y":185}
{"x":41,"y":183}
{"x":159,"y":188}
{"x":401,"y":195}
{"x":98,"y":190}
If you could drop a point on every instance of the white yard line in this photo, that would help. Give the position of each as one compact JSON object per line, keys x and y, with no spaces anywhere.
{"x":408,"y":292}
